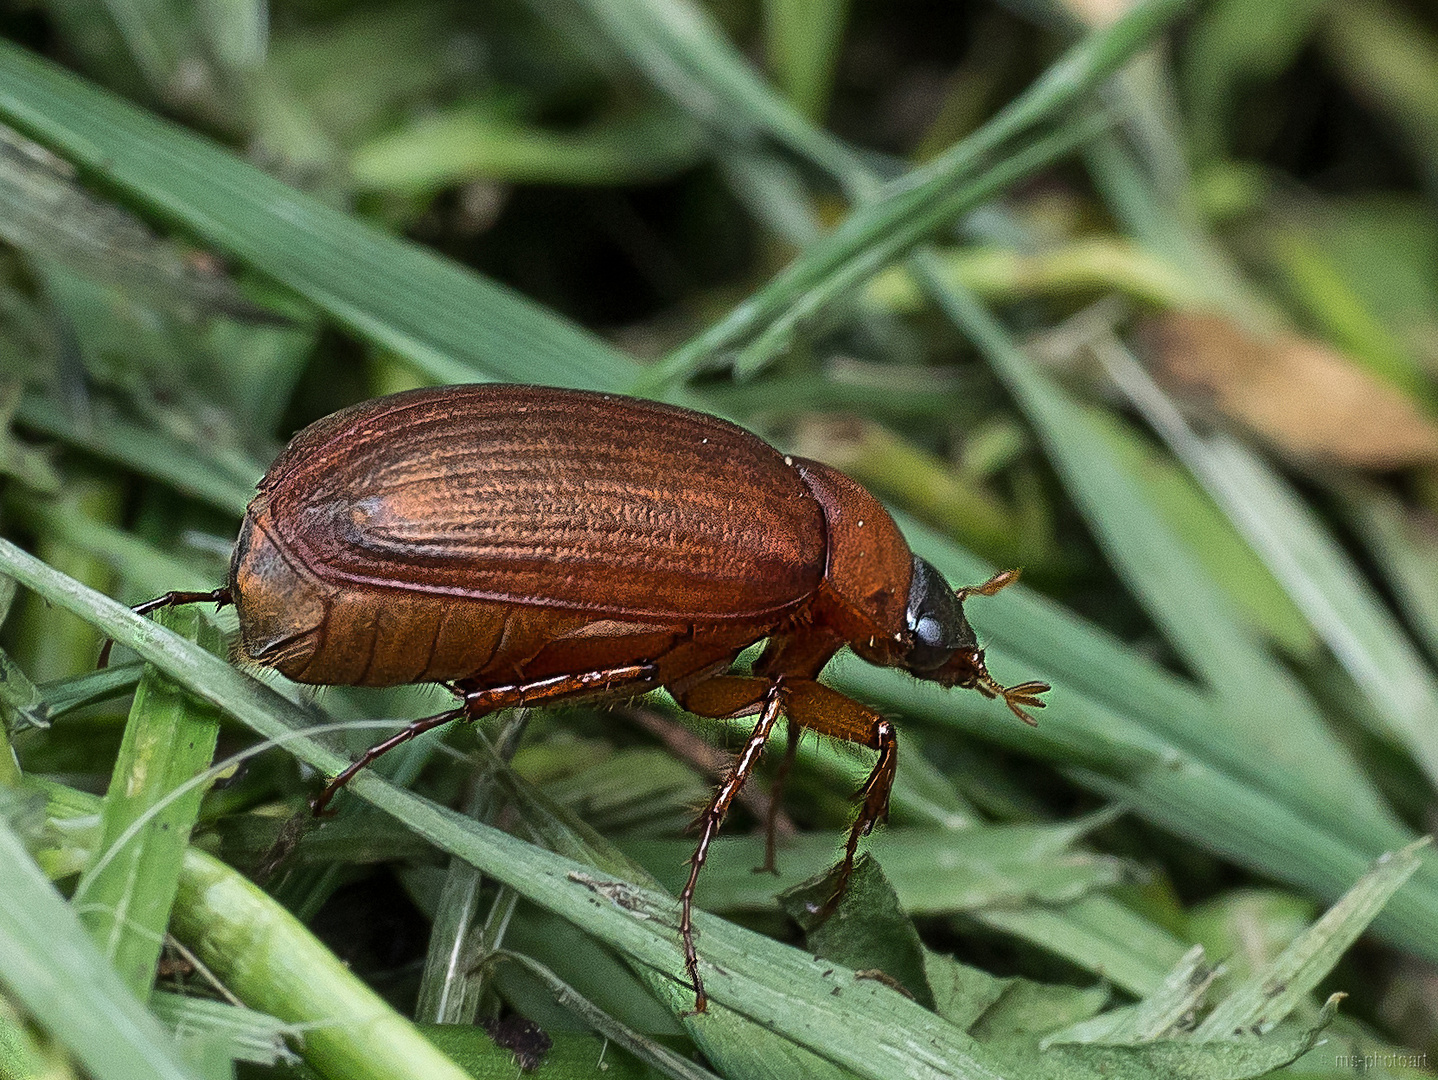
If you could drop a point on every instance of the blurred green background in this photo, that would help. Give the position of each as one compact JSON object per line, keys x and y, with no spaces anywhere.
{"x":1140,"y":297}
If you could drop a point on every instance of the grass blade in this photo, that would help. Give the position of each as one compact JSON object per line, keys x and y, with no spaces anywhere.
{"x":879,"y":230}
{"x":453,"y":325}
{"x":50,"y":966}
{"x":1265,"y":728}
{"x":1319,"y":576}
{"x":125,"y":894}
{"x":1268,"y":997}
{"x":867,"y":1028}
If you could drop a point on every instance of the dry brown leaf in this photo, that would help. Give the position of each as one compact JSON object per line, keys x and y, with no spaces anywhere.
{"x":1307,"y":399}
{"x":1099,"y":13}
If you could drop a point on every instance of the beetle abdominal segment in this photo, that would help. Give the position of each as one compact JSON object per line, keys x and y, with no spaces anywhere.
{"x":282,"y":606}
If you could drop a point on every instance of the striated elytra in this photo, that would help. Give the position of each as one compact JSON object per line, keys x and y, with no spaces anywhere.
{"x":529,"y":545}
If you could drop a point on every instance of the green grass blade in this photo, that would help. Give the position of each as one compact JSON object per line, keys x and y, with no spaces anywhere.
{"x":269,"y":960}
{"x":125,"y":894}
{"x":1265,"y":728}
{"x":22,"y":704}
{"x":145,"y":568}
{"x":1406,"y":553}
{"x":1271,"y":994}
{"x":930,"y":211}
{"x":932,"y":871}
{"x":802,"y":40}
{"x":469,"y":143}
{"x":877,"y":225}
{"x":149,"y":452}
{"x":1096,"y":933}
{"x":50,"y":966}
{"x":677,"y":45}
{"x":247,"y":1035}
{"x":646,"y":1050}
{"x":454,"y":325}
{"x":273,"y":964}
{"x":1317,"y":573}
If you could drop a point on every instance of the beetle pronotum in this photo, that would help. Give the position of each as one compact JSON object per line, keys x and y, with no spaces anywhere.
{"x":529,"y":545}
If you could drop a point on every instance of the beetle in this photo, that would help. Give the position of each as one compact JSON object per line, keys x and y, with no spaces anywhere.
{"x":529,"y":545}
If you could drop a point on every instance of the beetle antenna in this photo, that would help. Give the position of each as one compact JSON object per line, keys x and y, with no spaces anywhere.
{"x":1001,"y":580}
{"x":1015,"y":697}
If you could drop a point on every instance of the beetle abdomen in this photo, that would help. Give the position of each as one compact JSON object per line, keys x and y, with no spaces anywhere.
{"x":550,"y":498}
{"x":311,"y":632}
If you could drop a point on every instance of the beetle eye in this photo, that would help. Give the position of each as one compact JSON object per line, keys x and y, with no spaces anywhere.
{"x":933,"y":618}
{"x":928,"y":651}
{"x":929,"y":631}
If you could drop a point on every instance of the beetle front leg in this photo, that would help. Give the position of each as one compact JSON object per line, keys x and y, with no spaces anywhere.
{"x":709,"y":823}
{"x":812,"y":705}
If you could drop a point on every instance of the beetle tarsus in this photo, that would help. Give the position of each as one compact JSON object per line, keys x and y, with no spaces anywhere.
{"x":875,"y":798}
{"x":220,"y":597}
{"x":1015,"y":697}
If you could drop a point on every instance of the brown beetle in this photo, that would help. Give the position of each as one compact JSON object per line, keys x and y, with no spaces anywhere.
{"x":529,"y":545}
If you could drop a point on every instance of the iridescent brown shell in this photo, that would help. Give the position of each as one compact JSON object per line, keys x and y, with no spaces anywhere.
{"x":449,"y":513}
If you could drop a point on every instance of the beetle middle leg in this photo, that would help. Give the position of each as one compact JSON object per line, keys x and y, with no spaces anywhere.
{"x":713,"y":817}
{"x":480,"y":701}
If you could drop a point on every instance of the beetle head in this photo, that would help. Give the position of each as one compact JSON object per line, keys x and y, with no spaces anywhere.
{"x":943,"y":647}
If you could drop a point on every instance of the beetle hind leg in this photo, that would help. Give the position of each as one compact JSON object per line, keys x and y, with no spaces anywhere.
{"x":480,"y":701}
{"x":378,"y":750}
{"x":219,"y":597}
{"x":776,"y":798}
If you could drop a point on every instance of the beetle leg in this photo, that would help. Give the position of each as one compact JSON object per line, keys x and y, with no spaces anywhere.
{"x":481,"y":701}
{"x":221,"y":597}
{"x":709,"y":823}
{"x":404,"y":735}
{"x":776,"y":795}
{"x":724,"y":696}
{"x":813,"y":705}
